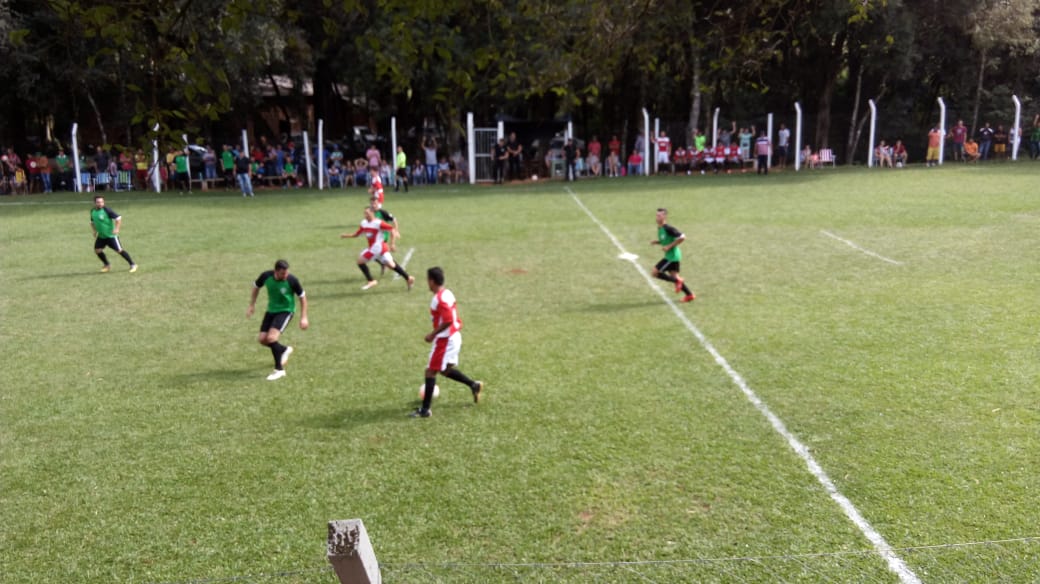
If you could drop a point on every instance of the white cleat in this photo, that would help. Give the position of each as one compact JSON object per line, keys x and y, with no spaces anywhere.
{"x":285,"y":355}
{"x":277,"y":374}
{"x":370,"y":285}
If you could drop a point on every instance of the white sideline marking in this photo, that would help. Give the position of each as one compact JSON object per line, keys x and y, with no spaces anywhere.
{"x":404,"y":263}
{"x":895,"y":563}
{"x":858,"y":248}
{"x":631,"y":257}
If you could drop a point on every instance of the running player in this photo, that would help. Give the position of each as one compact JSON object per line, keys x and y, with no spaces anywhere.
{"x":377,"y":249}
{"x":281,"y":287}
{"x":106,"y":224}
{"x":667,"y":269}
{"x":447,"y":341}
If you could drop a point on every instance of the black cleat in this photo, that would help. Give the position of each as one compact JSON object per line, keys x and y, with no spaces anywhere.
{"x":421,"y":413}
{"x":478,"y":386}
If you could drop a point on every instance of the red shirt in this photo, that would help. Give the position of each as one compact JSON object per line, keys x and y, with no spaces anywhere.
{"x":443,"y":309}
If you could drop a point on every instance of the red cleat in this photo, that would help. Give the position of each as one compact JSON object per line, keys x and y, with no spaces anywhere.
{"x":678,"y":284}
{"x":688,"y":298}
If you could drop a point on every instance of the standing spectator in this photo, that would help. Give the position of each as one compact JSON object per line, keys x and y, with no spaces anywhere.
{"x":934,"y":139}
{"x":106,"y":224}
{"x":499,"y":154}
{"x":640,"y":145}
{"x":33,"y":162}
{"x":515,"y":151}
{"x":1034,"y":139}
{"x":45,"y":172}
{"x":227,"y":163}
{"x":282,"y":290}
{"x":700,"y":141}
{"x":726,"y":136}
{"x":141,"y":169}
{"x":664,"y":152}
{"x":614,"y":147}
{"x":762,"y":148}
{"x":64,"y":167}
{"x":669,"y":238}
{"x":401,"y":168}
{"x":595,"y":148}
{"x":181,"y":178}
{"x":243,"y":168}
{"x":209,"y":163}
{"x":745,"y":136}
{"x":958,"y":134}
{"x":985,"y":141}
{"x":430,"y":153}
{"x":1000,"y":142}
{"x":374,"y":159}
{"x":783,"y":139}
{"x":446,"y":338}
{"x":570,"y":159}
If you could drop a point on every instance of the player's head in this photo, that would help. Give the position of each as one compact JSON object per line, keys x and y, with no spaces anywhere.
{"x":281,"y":269}
{"x":375,"y":203}
{"x":99,"y":201}
{"x":369,"y":213}
{"x":662,"y":215}
{"x":435,"y":277}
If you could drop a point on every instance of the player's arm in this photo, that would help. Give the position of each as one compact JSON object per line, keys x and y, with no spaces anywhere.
{"x":252,"y":301}
{"x":304,"y":323}
{"x":437,"y":330}
{"x":355,"y":234}
{"x":681,"y":238}
{"x":118,"y":225}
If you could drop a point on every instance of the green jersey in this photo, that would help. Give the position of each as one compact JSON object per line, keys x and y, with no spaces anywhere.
{"x":104,"y":221}
{"x":180,"y":162}
{"x":388,"y":217}
{"x":227,"y":159}
{"x":666,"y":234}
{"x":281,"y":294}
{"x":401,"y":161}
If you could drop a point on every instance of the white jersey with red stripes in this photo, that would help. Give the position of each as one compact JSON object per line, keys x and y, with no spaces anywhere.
{"x":442,"y":310}
{"x":372,"y":231}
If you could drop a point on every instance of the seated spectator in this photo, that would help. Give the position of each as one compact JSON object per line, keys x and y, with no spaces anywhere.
{"x":593,"y":164}
{"x":735,"y":157}
{"x":971,"y":150}
{"x":289,"y":174}
{"x":635,"y":163}
{"x":899,"y":154}
{"x":335,"y":175}
{"x":443,"y":171}
{"x":457,"y":166}
{"x":361,"y":172}
{"x":883,"y":155}
{"x":348,"y":173}
{"x":810,"y":158}
{"x":418,"y":173}
{"x":613,"y":164}
{"x":720,"y":153}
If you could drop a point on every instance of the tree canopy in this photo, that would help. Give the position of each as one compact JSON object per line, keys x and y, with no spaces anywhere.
{"x":122,"y":67}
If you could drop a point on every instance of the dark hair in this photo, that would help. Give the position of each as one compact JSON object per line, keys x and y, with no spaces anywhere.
{"x":436,"y":275}
{"x":662,"y":210}
{"x":281,"y":265}
{"x":96,"y":197}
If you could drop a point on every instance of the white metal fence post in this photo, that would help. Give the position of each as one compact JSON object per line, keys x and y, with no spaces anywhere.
{"x":873,"y":130}
{"x":942,"y":129}
{"x":797,"y":136}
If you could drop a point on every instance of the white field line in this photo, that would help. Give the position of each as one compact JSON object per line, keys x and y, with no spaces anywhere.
{"x":895,"y":563}
{"x":858,"y":248}
{"x":404,"y":263}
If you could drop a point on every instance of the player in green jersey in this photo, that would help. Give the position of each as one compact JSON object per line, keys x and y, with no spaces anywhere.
{"x":667,"y":269}
{"x":282,"y":289}
{"x":106,"y":224}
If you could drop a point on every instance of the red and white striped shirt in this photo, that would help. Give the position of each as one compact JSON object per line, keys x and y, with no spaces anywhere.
{"x":442,"y":310}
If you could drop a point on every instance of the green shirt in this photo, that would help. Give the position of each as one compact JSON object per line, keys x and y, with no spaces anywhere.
{"x":227,"y":158}
{"x":289,"y":168}
{"x":281,"y":294}
{"x":181,"y":163}
{"x":401,"y":160}
{"x":666,"y":234}
{"x":104,"y":221}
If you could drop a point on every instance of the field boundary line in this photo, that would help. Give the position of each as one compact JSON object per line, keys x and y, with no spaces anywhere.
{"x":404,"y":263}
{"x":859,"y":248}
{"x":895,"y":563}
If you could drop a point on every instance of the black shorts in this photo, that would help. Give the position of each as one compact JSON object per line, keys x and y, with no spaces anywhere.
{"x":112,"y":242}
{"x":402,"y":172}
{"x":666,"y":265}
{"x":278,"y":320}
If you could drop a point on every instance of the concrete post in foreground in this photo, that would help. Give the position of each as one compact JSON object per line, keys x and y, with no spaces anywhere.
{"x":350,"y":553}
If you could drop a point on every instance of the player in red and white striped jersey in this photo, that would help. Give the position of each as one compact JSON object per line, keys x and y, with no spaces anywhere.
{"x":377,"y":248}
{"x":446,"y":337}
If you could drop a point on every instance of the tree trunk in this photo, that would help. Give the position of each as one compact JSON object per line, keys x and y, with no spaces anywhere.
{"x":97,"y":114}
{"x":978,"y":90}
{"x":695,"y":95}
{"x":850,"y":144}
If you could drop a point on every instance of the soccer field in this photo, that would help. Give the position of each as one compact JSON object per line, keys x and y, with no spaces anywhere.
{"x":853,"y":396}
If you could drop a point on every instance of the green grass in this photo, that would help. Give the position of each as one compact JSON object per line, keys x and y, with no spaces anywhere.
{"x":139,"y":441}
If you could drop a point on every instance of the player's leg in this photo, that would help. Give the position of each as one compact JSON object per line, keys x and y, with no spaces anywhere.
{"x":99,"y":249}
{"x":279,"y":352}
{"x":362,"y":262}
{"x":388,"y":261}
{"x":118,"y":247}
{"x":663,"y":271}
{"x":450,"y":363}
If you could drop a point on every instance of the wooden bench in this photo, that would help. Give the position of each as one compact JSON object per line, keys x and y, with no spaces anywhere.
{"x":208,"y":183}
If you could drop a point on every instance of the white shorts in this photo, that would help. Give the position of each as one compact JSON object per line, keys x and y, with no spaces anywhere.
{"x":376,"y":252}
{"x":662,"y":157}
{"x":444,"y":352}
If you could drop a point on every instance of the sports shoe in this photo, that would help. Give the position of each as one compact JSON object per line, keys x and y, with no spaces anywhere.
{"x":133,"y":268}
{"x":678,"y":284}
{"x":370,"y":285}
{"x":478,"y":386}
{"x":106,"y":268}
{"x":285,"y":356}
{"x":411,"y":282}
{"x":277,"y":374}
{"x":421,"y":413}
{"x":689,"y":297}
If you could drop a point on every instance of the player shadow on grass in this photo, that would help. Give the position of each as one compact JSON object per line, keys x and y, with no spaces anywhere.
{"x":218,"y":374}
{"x":607,"y":307}
{"x":65,"y":275}
{"x":354,"y":417}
